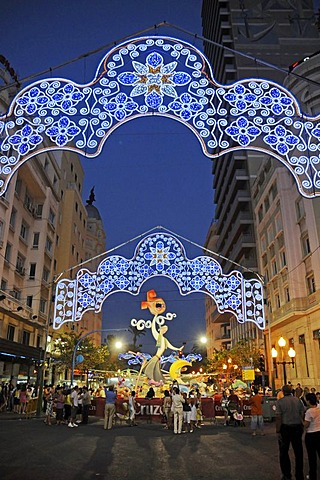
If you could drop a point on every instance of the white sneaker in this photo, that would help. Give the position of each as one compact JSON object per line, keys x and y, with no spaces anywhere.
{"x":70,"y":425}
{"x":75,"y":425}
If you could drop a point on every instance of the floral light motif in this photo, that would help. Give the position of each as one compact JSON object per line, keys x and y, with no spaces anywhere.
{"x":281,"y":140}
{"x":25,"y":140}
{"x":276,"y":100}
{"x":120,"y":106}
{"x":160,"y":254}
{"x":243,"y":131}
{"x":240,"y":97}
{"x":186,"y":106}
{"x":154,"y":79}
{"x":32,"y":100}
{"x":68,"y":96}
{"x":62,"y":131}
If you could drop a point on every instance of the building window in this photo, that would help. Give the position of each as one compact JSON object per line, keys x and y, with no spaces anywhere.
{"x":39,"y":210}
{"x":300,"y":212}
{"x":18,"y":187}
{"x":72,"y":249}
{"x":48,"y":245}
{"x":273,"y":267}
{"x":4,"y":285}
{"x":306,"y":250}
{"x":20,"y":264}
{"x":283,"y":260}
{"x":311,"y":284}
{"x":270,"y":233}
{"x":42,"y":305}
{"x":1,"y":230}
{"x":46,"y":165}
{"x":76,"y":206}
{"x":28,"y":202}
{"x":25,"y":337}
{"x":15,"y":293}
{"x":24,"y":231}
{"x":278,"y":222}
{"x":10,"y":333}
{"x":266,"y":204}
{"x":287,"y":294}
{"x":29,"y":301}
{"x":13,"y":218}
{"x":274,"y":191}
{"x":263,"y":243}
{"x":52,"y":217}
{"x":38,"y":341}
{"x":36,"y":238}
{"x":32,"y":271}
{"x":7,"y":254}
{"x":45,"y":274}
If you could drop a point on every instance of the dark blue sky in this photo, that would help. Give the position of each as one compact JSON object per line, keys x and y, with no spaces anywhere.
{"x":152,"y":170}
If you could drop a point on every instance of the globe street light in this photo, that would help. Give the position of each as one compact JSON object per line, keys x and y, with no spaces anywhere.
{"x":291,"y":353}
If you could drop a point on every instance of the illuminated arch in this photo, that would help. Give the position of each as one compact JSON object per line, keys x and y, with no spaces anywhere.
{"x":167,"y":77}
{"x":159,"y":255}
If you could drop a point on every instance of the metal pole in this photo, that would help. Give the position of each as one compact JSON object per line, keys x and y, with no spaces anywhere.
{"x":270,"y":358}
{"x":42,"y":363}
{"x":284,"y":373}
{"x":73,"y":363}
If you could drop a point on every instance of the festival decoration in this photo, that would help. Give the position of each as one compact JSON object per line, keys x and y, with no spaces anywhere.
{"x":168,"y":77}
{"x":159,"y":254}
{"x":175,"y":369}
{"x":157,"y":306}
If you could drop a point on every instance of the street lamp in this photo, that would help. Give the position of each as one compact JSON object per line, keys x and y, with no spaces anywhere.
{"x":291,"y":353}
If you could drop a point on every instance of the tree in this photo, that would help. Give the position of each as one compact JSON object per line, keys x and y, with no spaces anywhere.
{"x":93,"y":357}
{"x":244,"y":353}
{"x":135,"y":335}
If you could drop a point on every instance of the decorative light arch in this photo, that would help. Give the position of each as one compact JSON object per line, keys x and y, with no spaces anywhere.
{"x":159,"y":255}
{"x":168,"y":77}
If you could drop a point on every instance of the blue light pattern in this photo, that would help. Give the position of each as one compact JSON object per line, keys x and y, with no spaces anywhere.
{"x":159,"y":254}
{"x":161,"y":76}
{"x":138,"y":358}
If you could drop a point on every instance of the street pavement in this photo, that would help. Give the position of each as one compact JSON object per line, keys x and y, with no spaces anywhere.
{"x":31,"y":450}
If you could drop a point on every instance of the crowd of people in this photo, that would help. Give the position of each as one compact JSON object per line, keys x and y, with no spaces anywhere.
{"x":15,"y":398}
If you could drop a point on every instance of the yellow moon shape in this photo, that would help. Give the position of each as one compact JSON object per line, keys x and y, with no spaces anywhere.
{"x":175,"y":368}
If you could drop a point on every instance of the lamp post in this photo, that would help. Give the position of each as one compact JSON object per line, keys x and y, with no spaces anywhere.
{"x":291,"y":353}
{"x":82,"y":338}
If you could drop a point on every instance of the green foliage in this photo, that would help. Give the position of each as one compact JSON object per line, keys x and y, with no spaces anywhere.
{"x":244,"y":353}
{"x":94,"y":357}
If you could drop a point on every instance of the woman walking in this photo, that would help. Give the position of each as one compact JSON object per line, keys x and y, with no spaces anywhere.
{"x":312,"y":438}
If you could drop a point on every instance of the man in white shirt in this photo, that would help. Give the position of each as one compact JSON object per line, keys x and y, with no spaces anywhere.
{"x":74,"y":407}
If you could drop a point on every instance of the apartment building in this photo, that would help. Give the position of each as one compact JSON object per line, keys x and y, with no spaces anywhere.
{"x":288,"y":234}
{"x":43,"y":233}
{"x":278,"y":34}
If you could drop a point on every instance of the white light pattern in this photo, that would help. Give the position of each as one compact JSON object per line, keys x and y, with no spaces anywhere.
{"x":161,"y":76}
{"x":159,"y":254}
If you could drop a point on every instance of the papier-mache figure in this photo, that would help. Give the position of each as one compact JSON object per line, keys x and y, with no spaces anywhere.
{"x":157,"y":306}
